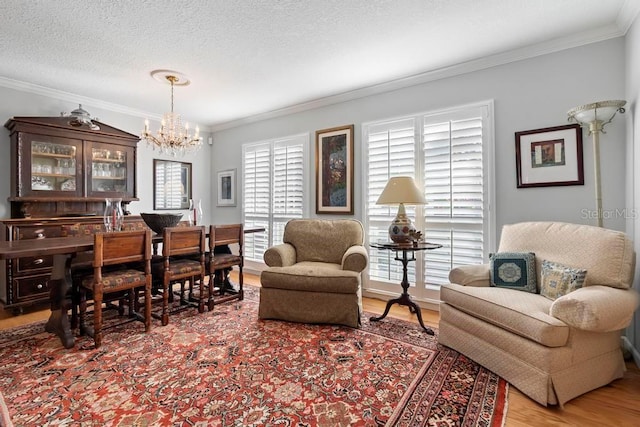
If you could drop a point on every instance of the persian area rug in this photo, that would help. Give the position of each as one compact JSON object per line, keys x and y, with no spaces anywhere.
{"x":228,"y":368}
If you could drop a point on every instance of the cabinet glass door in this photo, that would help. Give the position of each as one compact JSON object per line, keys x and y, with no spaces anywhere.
{"x":54,"y":165}
{"x":109,"y":170}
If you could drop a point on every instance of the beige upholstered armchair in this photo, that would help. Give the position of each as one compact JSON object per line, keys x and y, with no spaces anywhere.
{"x":314,"y":276}
{"x":550,"y":349}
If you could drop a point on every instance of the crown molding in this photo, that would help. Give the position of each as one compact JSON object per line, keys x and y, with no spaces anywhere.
{"x":627,"y":15}
{"x":552,"y":46}
{"x":74,"y":98}
{"x":630,"y":9}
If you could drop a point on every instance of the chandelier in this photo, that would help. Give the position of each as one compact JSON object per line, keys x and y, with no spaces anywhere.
{"x":172,"y":137}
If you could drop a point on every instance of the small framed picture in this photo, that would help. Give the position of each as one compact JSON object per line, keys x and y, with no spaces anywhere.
{"x":334,"y":170}
{"x":549,"y":157}
{"x":227,"y":188}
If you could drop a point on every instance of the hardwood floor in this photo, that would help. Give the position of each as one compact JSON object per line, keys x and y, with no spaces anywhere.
{"x":617,"y":404}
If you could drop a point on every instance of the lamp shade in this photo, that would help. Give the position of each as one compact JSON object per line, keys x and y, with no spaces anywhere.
{"x":602,"y":111}
{"x":401,"y":189}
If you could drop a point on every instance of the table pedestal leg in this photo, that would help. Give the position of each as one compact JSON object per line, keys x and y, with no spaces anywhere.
{"x":404,"y":298}
{"x":59,"y":289}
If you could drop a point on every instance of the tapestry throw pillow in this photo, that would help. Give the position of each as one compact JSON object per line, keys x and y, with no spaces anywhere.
{"x":513,"y":270}
{"x":557,"y":280}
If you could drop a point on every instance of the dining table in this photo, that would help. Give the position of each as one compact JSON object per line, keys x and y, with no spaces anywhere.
{"x":63,"y":250}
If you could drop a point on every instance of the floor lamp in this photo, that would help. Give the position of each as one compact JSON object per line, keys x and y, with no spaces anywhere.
{"x":596,"y":116}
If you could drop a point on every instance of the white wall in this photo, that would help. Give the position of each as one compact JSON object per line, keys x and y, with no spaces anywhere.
{"x":529,"y":94}
{"x":633,"y":163}
{"x":20,"y":103}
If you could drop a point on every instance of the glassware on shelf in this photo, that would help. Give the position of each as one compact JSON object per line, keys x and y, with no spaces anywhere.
{"x":113,"y":215}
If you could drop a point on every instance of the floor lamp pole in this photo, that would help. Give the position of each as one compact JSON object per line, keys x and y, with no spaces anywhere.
{"x":594,"y":128}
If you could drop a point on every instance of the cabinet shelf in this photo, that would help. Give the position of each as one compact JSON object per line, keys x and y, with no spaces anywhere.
{"x":52,"y":155}
{"x":110,"y":178}
{"x":52,"y":175}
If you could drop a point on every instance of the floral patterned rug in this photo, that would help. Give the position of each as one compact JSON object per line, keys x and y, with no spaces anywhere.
{"x":228,"y":368}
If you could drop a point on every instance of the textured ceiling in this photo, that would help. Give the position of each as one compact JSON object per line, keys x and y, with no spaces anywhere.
{"x":248,"y":57}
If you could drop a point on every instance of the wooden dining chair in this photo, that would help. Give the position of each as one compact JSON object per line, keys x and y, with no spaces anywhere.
{"x":132,"y":251}
{"x":183,"y":255}
{"x":220,"y":262}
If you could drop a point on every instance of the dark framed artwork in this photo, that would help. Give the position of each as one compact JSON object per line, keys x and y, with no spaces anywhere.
{"x":227,"y":187}
{"x":549,"y":157}
{"x":171,"y":184}
{"x":334,"y":170}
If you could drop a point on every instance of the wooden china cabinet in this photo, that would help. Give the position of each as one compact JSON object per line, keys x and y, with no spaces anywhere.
{"x":62,"y":171}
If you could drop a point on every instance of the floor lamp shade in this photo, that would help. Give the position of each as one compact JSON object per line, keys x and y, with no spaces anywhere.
{"x":400,"y":190}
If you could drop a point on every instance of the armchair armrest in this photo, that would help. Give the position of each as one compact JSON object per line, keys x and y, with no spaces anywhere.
{"x":282,"y":255}
{"x":356,"y":258}
{"x":471,"y":275}
{"x":596,"y":308}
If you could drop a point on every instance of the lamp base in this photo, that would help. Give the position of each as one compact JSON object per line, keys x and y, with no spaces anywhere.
{"x":401,"y":229}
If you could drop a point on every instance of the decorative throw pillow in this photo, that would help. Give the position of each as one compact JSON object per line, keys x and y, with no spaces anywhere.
{"x":557,"y":280}
{"x":514,"y":270}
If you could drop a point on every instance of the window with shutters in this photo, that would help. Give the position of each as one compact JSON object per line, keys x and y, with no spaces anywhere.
{"x":273,"y":190}
{"x":449,"y":155}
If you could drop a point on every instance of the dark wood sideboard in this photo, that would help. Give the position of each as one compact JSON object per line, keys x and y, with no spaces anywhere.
{"x":62,"y":170}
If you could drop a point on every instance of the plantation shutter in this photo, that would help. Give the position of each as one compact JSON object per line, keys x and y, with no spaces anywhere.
{"x":454,"y":189}
{"x":288,"y":184}
{"x":391,"y":152}
{"x":273,"y":190}
{"x":255,"y":198}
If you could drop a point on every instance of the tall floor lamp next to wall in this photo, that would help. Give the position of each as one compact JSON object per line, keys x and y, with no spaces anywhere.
{"x":596,"y":116}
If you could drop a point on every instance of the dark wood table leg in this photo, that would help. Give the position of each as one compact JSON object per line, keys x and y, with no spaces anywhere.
{"x":59,"y":294}
{"x":404,"y":298}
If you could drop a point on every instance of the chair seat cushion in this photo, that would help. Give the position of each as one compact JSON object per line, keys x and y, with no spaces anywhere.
{"x":522,"y":313}
{"x":116,"y":279}
{"x":312,"y":277}
{"x":224,"y":260}
{"x":178,"y":266}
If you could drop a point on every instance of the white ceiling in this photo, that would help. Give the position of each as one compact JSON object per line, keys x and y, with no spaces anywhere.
{"x":249,"y":58}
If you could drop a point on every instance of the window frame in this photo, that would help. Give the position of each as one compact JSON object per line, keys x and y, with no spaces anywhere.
{"x":273,"y":217}
{"x":426,"y":293}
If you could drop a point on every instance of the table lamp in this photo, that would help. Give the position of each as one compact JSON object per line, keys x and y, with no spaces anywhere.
{"x":401,"y":190}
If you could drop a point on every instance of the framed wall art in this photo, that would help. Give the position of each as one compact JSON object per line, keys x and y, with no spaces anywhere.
{"x":549,"y":157}
{"x":171,"y":184}
{"x":334,"y":170}
{"x":227,"y":187}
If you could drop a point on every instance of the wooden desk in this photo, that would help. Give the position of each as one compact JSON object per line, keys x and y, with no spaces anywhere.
{"x":63,"y":249}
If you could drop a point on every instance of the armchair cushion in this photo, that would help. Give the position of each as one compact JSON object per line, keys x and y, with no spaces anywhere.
{"x":304,"y":277}
{"x":521,"y":313}
{"x":596,"y":308}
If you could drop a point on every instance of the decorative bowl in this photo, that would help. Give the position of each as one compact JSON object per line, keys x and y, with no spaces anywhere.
{"x":159,"y":221}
